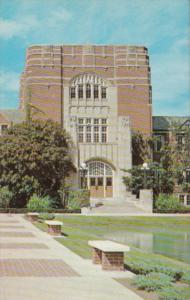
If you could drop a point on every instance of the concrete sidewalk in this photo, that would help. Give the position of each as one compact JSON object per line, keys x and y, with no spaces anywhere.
{"x":36,"y":267}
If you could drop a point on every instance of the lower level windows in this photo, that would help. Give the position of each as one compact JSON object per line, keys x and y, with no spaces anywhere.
{"x":92,"y":130}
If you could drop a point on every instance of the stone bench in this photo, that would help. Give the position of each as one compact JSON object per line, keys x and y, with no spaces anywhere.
{"x":109,"y":254}
{"x":54,"y":227}
{"x":32,"y":216}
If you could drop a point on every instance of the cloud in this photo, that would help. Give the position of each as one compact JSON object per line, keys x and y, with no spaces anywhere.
{"x":9,"y":81}
{"x":61,"y":15}
{"x":17,"y":27}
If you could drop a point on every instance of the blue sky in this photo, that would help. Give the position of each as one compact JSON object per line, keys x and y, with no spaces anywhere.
{"x":161,"y":25}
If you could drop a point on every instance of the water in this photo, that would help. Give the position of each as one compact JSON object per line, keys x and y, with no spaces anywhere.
{"x":169,"y":243}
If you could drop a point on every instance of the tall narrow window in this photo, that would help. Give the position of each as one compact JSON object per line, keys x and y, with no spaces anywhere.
{"x":95,"y":91}
{"x":103,"y":92}
{"x":88,"y":91}
{"x":104,"y":134}
{"x":73,"y":93}
{"x":80,"y":91}
{"x":96,"y":134}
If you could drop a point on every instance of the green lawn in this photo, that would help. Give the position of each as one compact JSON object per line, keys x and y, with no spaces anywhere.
{"x":79,"y":229}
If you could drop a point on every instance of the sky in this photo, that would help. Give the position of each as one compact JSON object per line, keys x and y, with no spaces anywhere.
{"x":161,"y":25}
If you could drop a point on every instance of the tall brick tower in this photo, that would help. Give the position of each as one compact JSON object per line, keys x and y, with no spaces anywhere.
{"x":97,"y":93}
{"x":49,"y":68}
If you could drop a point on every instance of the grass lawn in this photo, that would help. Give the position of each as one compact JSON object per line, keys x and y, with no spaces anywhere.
{"x":78,"y":230}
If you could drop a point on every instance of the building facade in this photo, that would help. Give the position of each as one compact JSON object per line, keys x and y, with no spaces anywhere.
{"x":98,"y":94}
{"x":164,"y":133}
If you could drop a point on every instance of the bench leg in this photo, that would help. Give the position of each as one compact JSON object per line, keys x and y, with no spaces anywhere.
{"x":96,"y":256}
{"x":113,"y":261}
{"x":54,"y":230}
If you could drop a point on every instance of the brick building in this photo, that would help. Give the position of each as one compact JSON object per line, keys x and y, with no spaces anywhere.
{"x":97,"y":93}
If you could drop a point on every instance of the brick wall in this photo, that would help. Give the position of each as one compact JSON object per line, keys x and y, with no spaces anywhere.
{"x":49,"y":68}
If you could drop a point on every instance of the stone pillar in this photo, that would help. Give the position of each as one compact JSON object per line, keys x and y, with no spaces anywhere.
{"x":146,"y":200}
{"x":113,"y":261}
{"x":96,"y":256}
{"x":54,"y":229}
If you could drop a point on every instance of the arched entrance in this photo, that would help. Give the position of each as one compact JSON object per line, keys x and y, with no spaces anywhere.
{"x":100,"y":179}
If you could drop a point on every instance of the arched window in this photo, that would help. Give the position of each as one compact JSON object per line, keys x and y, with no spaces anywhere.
{"x":88,"y":86}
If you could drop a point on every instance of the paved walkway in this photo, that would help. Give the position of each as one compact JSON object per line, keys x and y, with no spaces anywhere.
{"x":33,"y":266}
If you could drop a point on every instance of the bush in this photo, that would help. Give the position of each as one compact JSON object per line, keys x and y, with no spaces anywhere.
{"x":186,"y":277}
{"x":5,"y":197}
{"x":143,"y":264}
{"x":46,"y":216}
{"x":78,"y":199}
{"x":39,"y":204}
{"x":167,"y":202}
{"x":152,"y":281}
{"x":173,"y":293}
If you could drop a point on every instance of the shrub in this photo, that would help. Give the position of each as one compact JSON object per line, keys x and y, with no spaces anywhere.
{"x":173,"y":293}
{"x":5,"y":197}
{"x":144,"y":264}
{"x":39,"y":204}
{"x":152,"y":281}
{"x":186,"y":277}
{"x":46,"y":216}
{"x":167,"y":202}
{"x":78,"y":199}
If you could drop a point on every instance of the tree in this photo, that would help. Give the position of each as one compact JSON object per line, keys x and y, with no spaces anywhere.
{"x":34,"y":158}
{"x":140,"y":148}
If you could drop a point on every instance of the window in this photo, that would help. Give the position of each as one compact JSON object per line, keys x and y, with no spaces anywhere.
{"x":88,"y":91}
{"x":88,"y":86}
{"x":91,"y":130}
{"x":80,"y":91}
{"x":188,"y":199}
{"x":180,"y":139}
{"x":103,"y":92}
{"x":88,"y":137}
{"x":181,"y":199}
{"x":158,"y":142}
{"x":104,"y":137}
{"x":96,"y":137}
{"x":73,"y":93}
{"x":104,"y":134}
{"x":96,"y":91}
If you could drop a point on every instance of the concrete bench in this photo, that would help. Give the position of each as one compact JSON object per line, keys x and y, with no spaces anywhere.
{"x":54,"y":227}
{"x":32,"y":217}
{"x":109,"y":254}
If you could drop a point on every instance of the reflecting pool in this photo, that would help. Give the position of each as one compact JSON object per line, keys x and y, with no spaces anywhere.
{"x":169,"y":243}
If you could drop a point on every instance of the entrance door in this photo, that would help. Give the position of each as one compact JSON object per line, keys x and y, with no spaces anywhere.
{"x":97,"y":187}
{"x":109,"y":187}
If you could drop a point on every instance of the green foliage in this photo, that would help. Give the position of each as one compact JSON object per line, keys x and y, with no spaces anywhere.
{"x":78,"y":199}
{"x":173,"y":293}
{"x":38,"y":204}
{"x":140,"y":148}
{"x":34,"y":158}
{"x":152,"y":281}
{"x":186,"y":277}
{"x":144,"y":264}
{"x":46,"y":216}
{"x":5,"y":197}
{"x":167,"y":202}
